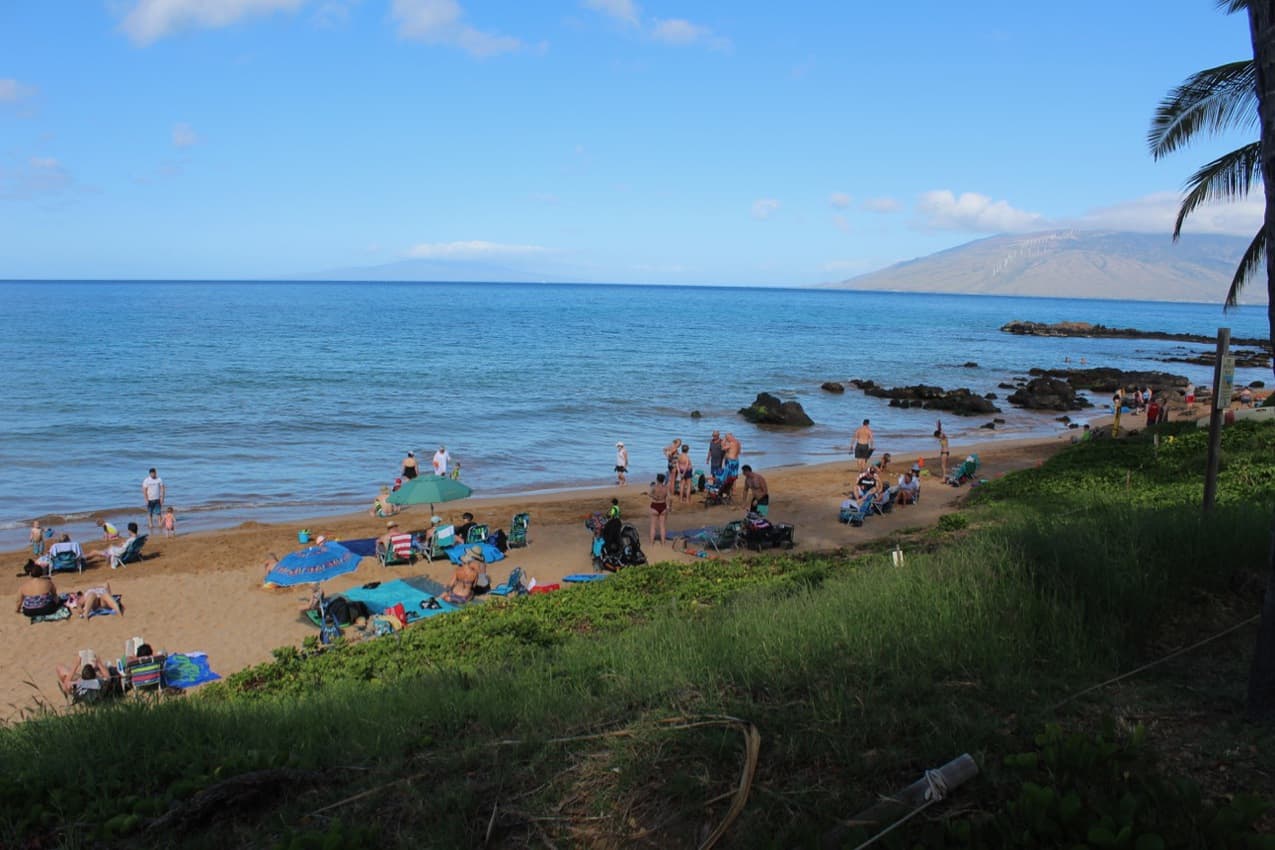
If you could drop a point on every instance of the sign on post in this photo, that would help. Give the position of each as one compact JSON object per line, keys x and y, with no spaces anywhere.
{"x":1226,"y":383}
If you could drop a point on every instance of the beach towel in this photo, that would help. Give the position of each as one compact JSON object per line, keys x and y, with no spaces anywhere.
{"x":365,"y":546}
{"x":188,"y":669}
{"x":60,"y":614}
{"x":104,"y":610}
{"x":414,"y":594}
{"x":689,"y":532}
{"x":582,"y":577}
{"x":490,"y":553}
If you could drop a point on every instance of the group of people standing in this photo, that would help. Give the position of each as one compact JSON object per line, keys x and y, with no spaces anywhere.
{"x":441,"y":461}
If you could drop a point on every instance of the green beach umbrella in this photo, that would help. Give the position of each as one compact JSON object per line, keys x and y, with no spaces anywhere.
{"x":429,"y":490}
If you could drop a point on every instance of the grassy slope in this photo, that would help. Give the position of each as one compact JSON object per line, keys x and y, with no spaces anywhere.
{"x":856,"y":674}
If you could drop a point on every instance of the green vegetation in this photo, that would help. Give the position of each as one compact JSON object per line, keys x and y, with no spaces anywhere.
{"x":857,"y":675}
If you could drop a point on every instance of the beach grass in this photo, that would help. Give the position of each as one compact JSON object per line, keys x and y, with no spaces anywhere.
{"x":856,"y":674}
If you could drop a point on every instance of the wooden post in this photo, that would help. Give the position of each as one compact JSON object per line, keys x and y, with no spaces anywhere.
{"x":1215,"y":419}
{"x":955,"y":773}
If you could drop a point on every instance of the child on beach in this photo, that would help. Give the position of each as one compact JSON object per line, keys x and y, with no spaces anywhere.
{"x":37,"y":539}
{"x":613,"y":512}
{"x":170,"y":523}
{"x":109,"y":532}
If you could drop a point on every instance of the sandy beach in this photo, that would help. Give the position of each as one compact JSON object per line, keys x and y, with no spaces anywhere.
{"x":203,"y":591}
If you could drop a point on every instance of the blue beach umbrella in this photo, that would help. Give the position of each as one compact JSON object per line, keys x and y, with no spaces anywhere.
{"x":429,"y":490}
{"x":313,"y":564}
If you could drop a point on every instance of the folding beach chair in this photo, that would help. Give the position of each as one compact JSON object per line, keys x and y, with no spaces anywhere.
{"x":444,"y":536}
{"x":964,"y":472}
{"x":478,"y":533}
{"x":518,"y":530}
{"x":398,"y":552}
{"x":132,"y":552}
{"x":143,"y":675}
{"x":718,"y":539}
{"x":856,"y":515}
{"x":66,"y":561}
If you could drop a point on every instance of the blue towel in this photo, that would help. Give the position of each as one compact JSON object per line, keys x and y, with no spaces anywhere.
{"x":689,"y":532}
{"x":413,"y":593}
{"x":187,"y":669}
{"x":104,"y":609}
{"x":585,"y":577}
{"x":490,"y":553}
{"x":365,"y":546}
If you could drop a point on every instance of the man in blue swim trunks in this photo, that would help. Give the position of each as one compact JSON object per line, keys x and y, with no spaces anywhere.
{"x":153,"y":492}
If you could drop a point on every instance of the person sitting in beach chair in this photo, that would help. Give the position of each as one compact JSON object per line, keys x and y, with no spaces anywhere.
{"x":968,"y":468}
{"x":721,"y":490}
{"x":909,"y":490}
{"x":435,"y":540}
{"x":466,"y":523}
{"x":65,"y":555}
{"x":128,"y":551}
{"x":143,"y":671}
{"x":87,"y":680}
{"x":394,"y":547}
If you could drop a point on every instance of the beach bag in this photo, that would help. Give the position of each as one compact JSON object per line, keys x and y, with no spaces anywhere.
{"x":398,"y":613}
{"x":499,"y":539}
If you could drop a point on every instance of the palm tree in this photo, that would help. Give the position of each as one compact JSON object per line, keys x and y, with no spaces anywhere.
{"x":1212,"y":101}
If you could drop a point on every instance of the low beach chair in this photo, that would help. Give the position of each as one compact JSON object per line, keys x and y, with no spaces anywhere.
{"x":398,"y":552}
{"x":885,"y":504}
{"x":478,"y":533}
{"x":964,"y":472}
{"x":718,"y":539}
{"x":720,"y":491}
{"x":66,"y":561}
{"x":143,"y":675}
{"x":518,"y":530}
{"x":132,"y":552}
{"x":444,"y":536}
{"x":856,"y":515}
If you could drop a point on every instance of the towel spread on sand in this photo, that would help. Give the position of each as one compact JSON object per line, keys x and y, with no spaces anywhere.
{"x":581,"y":577}
{"x":413,"y":593}
{"x":365,"y":546}
{"x":490,"y":553}
{"x":187,"y":669}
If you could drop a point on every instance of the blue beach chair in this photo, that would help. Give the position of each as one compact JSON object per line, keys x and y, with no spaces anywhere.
{"x":856,"y":515}
{"x":132,"y":552}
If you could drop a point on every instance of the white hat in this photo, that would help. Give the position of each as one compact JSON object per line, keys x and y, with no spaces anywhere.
{"x":436,"y":519}
{"x":619,"y":444}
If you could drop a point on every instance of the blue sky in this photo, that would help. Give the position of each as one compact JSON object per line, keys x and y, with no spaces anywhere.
{"x":593,"y":140}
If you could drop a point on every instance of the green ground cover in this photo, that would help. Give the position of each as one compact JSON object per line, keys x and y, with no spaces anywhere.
{"x":611,"y":714}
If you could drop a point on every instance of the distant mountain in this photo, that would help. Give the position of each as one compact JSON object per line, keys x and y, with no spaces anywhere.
{"x":1076,"y":264}
{"x":450,"y":271}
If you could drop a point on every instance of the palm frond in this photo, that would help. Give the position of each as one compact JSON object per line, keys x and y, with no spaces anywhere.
{"x":1231,"y":6}
{"x":1227,"y":178}
{"x":1214,"y":100}
{"x":1251,"y":264}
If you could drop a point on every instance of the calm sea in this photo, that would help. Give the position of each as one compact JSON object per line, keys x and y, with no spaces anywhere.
{"x":277,"y":401}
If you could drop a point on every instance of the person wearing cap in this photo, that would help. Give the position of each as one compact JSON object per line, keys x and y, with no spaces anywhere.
{"x":410,"y":469}
{"x":909,"y":490}
{"x":383,"y":542}
{"x":621,"y":463}
{"x":441,"y":459}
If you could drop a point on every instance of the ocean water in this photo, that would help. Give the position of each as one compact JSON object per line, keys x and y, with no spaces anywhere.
{"x":276,"y":401}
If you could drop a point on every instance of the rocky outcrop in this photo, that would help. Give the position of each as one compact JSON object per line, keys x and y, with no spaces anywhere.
{"x":766,"y":409}
{"x":1107,"y":379}
{"x":961,"y":402}
{"x":1086,"y":329}
{"x":833,"y":387}
{"x":1245,"y":358}
{"x":1048,"y":394}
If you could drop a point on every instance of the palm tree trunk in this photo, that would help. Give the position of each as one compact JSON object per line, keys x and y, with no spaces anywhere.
{"x":1261,"y":23}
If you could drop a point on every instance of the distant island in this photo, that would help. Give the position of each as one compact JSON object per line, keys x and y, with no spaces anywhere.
{"x":1075,"y":264}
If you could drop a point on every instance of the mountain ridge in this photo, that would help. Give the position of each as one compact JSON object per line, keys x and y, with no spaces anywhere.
{"x":1075,"y":264}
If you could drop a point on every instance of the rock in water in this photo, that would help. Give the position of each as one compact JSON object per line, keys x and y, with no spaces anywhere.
{"x":769,"y":410}
{"x":833,"y":386}
{"x":1048,"y":394}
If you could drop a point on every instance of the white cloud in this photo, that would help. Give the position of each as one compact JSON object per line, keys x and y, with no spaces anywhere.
{"x":940,"y":209}
{"x":36,"y":177}
{"x":440,"y":22}
{"x":882,"y":205}
{"x":472,"y":250}
{"x":151,"y":20}
{"x":1156,"y":213}
{"x":333,"y":14}
{"x":681,"y":32}
{"x":12,"y":91}
{"x":764,"y":207}
{"x":624,"y":11}
{"x":184,"y":135}
{"x":840,"y":200}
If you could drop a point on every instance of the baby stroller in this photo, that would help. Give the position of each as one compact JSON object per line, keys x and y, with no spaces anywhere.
{"x":760,"y":533}
{"x":615,"y":544}
{"x":719,"y":490}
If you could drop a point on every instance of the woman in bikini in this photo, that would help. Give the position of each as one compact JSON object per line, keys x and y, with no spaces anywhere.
{"x":685,"y":472}
{"x":410,"y":469}
{"x":93,"y":599}
{"x":37,"y":596}
{"x":659,"y":508}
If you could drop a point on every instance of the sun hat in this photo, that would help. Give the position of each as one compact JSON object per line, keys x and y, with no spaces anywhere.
{"x":391,"y":524}
{"x":475,"y":552}
{"x":619,"y":443}
{"x":436,"y":519}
